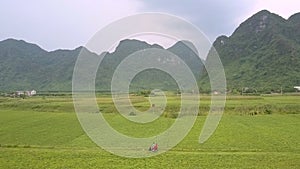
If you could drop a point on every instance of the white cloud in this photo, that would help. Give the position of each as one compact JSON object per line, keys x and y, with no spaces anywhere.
{"x":284,"y":8}
{"x":70,"y":23}
{"x":60,"y":23}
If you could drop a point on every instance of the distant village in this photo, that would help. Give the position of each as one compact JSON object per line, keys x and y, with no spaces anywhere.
{"x":28,"y":93}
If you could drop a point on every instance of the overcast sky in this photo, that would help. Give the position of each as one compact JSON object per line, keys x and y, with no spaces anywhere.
{"x":54,"y":24}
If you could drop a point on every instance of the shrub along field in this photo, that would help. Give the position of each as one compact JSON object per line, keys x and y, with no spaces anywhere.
{"x":255,"y":132}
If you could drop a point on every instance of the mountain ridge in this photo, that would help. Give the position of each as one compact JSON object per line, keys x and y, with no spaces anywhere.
{"x":263,"y":53}
{"x":27,"y":66}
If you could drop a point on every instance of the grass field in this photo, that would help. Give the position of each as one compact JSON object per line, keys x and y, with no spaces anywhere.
{"x":255,"y":132}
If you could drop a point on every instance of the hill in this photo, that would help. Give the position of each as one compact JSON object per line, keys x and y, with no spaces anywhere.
{"x":25,"y":66}
{"x":263,"y":54}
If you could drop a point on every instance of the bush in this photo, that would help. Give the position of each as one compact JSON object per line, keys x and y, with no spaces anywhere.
{"x":144,"y":93}
{"x":172,"y":115}
{"x":132,"y":114}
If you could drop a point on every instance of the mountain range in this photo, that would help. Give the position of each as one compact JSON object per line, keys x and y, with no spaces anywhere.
{"x":262,"y":54}
{"x":26,"y":66}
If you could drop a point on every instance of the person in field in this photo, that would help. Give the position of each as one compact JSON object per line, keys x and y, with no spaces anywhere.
{"x":153,"y":147}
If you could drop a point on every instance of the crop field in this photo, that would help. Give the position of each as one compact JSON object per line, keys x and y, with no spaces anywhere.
{"x":254,"y":132}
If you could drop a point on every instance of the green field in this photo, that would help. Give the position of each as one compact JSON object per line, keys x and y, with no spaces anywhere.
{"x":255,"y":132}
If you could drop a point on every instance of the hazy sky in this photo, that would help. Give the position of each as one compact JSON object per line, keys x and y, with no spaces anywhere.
{"x":54,"y":24}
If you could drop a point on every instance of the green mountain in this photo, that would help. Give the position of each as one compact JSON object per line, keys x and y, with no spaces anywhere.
{"x":26,"y":66}
{"x":263,"y":54}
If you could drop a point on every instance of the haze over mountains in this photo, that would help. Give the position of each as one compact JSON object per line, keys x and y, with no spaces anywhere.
{"x":263,"y":53}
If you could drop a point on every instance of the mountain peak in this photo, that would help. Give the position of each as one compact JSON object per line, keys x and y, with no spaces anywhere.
{"x":132,"y":45}
{"x":221,"y":40}
{"x":263,"y":12}
{"x":295,"y":18}
{"x":21,"y":45}
{"x":260,"y":22}
{"x":129,"y":42}
{"x":185,"y":43}
{"x":262,"y":52}
{"x":15,"y":42}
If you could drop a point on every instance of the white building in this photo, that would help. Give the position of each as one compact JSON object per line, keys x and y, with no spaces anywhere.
{"x":32,"y":92}
{"x":297,"y":87}
{"x":26,"y":93}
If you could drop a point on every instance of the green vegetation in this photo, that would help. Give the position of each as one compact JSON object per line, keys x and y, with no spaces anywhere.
{"x":262,"y":54}
{"x":43,"y":132}
{"x":256,"y":131}
{"x":26,"y":66}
